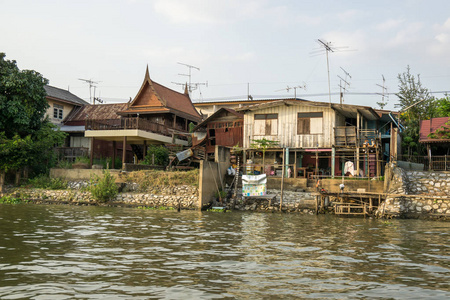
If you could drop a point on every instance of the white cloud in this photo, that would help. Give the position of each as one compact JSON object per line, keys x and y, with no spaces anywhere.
{"x":441,"y":41}
{"x":389,"y":24}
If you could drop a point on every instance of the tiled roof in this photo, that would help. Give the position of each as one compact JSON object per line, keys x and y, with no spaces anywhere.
{"x":100,"y":111}
{"x":153,"y":96}
{"x":63,"y":95}
{"x":430,"y":126}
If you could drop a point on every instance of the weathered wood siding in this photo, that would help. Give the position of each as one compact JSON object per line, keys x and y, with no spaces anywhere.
{"x":287,"y":127}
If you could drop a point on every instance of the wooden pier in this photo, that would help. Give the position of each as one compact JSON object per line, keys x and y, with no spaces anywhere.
{"x":350,"y":203}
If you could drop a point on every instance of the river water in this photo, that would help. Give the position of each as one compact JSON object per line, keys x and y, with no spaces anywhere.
{"x":69,"y":252}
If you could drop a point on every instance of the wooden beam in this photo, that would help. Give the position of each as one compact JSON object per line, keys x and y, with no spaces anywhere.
{"x":114,"y":155}
{"x":91,"y":161}
{"x":124,"y":152}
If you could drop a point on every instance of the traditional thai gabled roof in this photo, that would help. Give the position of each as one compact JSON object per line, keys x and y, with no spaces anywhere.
{"x":428,"y":127}
{"x":155,"y":98}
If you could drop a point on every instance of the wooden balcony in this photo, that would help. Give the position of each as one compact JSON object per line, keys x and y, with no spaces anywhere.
{"x":351,"y":137}
{"x":131,"y":123}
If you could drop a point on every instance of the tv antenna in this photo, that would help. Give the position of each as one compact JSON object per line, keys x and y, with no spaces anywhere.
{"x":288,"y":88}
{"x":328,"y":47}
{"x":192,"y":86}
{"x":383,"y":93}
{"x":92,"y":84}
{"x":344,"y":84}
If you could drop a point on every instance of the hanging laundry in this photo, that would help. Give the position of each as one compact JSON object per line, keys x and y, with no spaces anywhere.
{"x":349,"y":168}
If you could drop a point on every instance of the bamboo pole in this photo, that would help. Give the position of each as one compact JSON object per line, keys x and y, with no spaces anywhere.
{"x":282,"y":182}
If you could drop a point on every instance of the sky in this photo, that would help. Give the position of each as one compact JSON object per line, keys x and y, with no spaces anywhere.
{"x":238,"y":47}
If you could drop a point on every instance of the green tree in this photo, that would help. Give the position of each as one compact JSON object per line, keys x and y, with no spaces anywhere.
{"x":26,"y":137}
{"x":415,"y":104}
{"x":157,"y":154}
{"x":263,"y":144}
{"x":443,"y":107}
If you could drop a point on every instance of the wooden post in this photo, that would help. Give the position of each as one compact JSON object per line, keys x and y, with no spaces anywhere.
{"x":295,"y":164}
{"x":2,"y":180}
{"x":317,"y":204}
{"x":144,"y":153}
{"x":282,"y":182}
{"x":114,"y":155}
{"x":358,"y":121}
{"x":430,"y":164}
{"x":91,"y":161}
{"x":124,"y":152}
{"x":445,"y":161}
{"x":333,"y":161}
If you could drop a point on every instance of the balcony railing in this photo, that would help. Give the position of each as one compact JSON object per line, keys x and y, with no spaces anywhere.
{"x":349,"y":136}
{"x":130,"y":123}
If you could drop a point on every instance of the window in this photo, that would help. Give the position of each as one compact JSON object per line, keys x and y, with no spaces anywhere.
{"x":58,"y":111}
{"x":266,"y":124}
{"x":310,"y":123}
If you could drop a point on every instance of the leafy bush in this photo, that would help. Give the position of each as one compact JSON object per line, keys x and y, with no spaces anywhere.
{"x":45,"y":182}
{"x":65,"y":164}
{"x":10,"y":200}
{"x":161,"y":154}
{"x":104,"y":188}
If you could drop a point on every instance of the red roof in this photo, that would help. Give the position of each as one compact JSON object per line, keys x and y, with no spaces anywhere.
{"x":154,"y":97}
{"x":430,"y":126}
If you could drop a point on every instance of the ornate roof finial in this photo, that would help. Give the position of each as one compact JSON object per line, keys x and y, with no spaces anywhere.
{"x":186,"y":91}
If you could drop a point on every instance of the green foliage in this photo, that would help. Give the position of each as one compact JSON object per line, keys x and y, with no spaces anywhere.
{"x":443,"y":107}
{"x":415,"y":103}
{"x":82,"y":159}
{"x":22,"y":99}
{"x":64,"y":164}
{"x":221,"y":194}
{"x":441,"y":133}
{"x":263,"y":144}
{"x":8,"y":199}
{"x":103,"y":188}
{"x":26,"y":138}
{"x":45,"y":182}
{"x":161,"y":154}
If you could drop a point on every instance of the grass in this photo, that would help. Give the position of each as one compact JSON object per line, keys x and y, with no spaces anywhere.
{"x":156,"y":178}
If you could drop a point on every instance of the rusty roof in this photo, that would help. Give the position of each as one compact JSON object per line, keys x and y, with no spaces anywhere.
{"x":154,"y":97}
{"x":63,"y":96}
{"x":98,"y":111}
{"x":216,"y":114}
{"x":430,"y":126}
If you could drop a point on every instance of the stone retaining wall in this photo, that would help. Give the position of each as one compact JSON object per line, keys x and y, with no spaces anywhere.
{"x":185,"y":197}
{"x":421,"y":195}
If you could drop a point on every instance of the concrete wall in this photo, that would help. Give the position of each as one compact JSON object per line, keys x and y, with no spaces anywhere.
{"x":410,"y":166}
{"x":290,"y":184}
{"x":212,"y":174}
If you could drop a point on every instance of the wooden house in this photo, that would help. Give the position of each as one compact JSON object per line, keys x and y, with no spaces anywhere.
{"x":157,"y":115}
{"x":320,"y":137}
{"x":222,"y":128}
{"x":61,"y":103}
{"x":434,"y":133}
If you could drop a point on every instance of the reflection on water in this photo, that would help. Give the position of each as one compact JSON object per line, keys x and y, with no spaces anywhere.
{"x":64,"y":252}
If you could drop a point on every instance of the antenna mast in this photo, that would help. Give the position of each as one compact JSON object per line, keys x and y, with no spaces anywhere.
{"x":92,"y":84}
{"x":191,"y":85}
{"x":288,"y":88}
{"x":343,"y":88}
{"x":383,"y":103}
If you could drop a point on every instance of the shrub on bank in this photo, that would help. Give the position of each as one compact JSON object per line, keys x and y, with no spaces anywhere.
{"x":103,"y":188}
{"x":45,"y":182}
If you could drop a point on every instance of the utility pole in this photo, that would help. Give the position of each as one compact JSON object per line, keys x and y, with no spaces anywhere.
{"x":91,"y":85}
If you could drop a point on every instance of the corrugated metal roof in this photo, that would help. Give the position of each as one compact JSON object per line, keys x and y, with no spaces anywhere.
{"x":218,"y":113}
{"x":430,"y":126}
{"x":63,"y":95}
